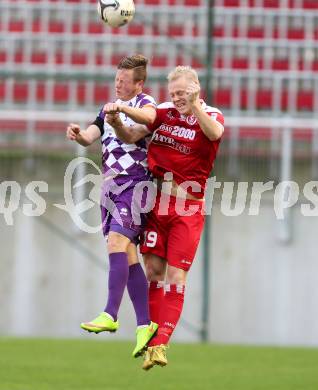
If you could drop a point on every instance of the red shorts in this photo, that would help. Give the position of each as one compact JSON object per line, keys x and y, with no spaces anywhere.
{"x":173,"y":230}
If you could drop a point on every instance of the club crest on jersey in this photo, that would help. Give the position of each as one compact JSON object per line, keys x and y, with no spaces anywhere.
{"x":170,"y":115}
{"x":191,"y":120}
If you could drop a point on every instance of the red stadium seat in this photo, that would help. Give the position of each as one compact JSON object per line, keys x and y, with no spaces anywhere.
{"x":294,"y":33}
{"x":49,"y":126}
{"x":2,"y":90}
{"x":284,"y":100}
{"x":280,"y":64}
{"x":256,"y":32}
{"x":18,"y":57}
{"x":223,"y":98}
{"x":96,"y":28}
{"x":218,"y":62}
{"x":61,"y":92}
{"x":258,"y":133}
{"x":315,"y":65}
{"x":175,"y":30}
{"x":196,"y":63}
{"x":310,"y":4}
{"x":163,"y":94}
{"x":76,"y":28}
{"x":59,"y":57}
{"x":192,"y":3}
{"x":79,"y":58}
{"x":40,"y":90}
{"x":115,"y":58}
{"x":152,"y":2}
{"x":56,"y":27}
{"x":16,"y":25}
{"x":3,"y":56}
{"x":218,"y":31}
{"x":231,"y":3}
{"x":81,"y":93}
{"x":240,"y":63}
{"x":305,"y":101}
{"x":159,"y":61}
{"x":271,"y":3}
{"x":99,"y":59}
{"x":39,"y":57}
{"x":136,"y":29}
{"x":36,"y":26}
{"x":20,"y":91}
{"x":303,"y":135}
{"x":264,"y":99}
{"x":243,"y":98}
{"x":14,"y":126}
{"x":101,"y":94}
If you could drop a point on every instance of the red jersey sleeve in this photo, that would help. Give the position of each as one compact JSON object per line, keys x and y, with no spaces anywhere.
{"x":216,"y":115}
{"x":160,"y":114}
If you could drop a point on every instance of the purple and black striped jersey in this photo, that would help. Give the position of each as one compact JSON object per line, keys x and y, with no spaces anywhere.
{"x":121,"y":158}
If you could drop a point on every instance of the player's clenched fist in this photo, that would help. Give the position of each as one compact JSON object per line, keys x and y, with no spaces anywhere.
{"x":111,"y":108}
{"x":192,"y":92}
{"x":113,"y":119}
{"x":72,"y":131}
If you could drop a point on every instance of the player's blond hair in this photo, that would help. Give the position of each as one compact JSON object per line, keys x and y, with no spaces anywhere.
{"x":186,"y":71}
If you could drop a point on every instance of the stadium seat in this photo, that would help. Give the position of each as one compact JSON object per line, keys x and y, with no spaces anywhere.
{"x":2,"y":90}
{"x":159,"y":61}
{"x":56,"y":27}
{"x":3,"y":56}
{"x":81,"y":93}
{"x":223,"y":98}
{"x":136,"y":29}
{"x":79,"y":58}
{"x":95,"y":28}
{"x":61,"y":92}
{"x":296,"y":33}
{"x":13,"y":126}
{"x":16,"y":25}
{"x":39,"y":57}
{"x":271,"y":3}
{"x":19,"y":57}
{"x":175,"y":30}
{"x":20,"y":91}
{"x":305,"y":100}
{"x":310,"y":4}
{"x":101,"y":94}
{"x":264,"y":99}
{"x":40,"y":91}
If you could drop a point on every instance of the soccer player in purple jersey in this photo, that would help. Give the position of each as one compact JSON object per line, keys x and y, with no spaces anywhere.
{"x":124,"y":165}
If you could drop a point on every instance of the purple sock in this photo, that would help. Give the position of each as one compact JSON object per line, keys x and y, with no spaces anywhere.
{"x":117,"y":280}
{"x":137,"y":286}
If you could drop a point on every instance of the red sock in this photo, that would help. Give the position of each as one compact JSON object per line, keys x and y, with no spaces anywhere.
{"x":170,"y":313}
{"x":156,"y":295}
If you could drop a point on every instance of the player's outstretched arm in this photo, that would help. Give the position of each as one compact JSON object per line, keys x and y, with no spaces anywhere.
{"x":84,"y":138}
{"x":145,"y":115}
{"x":127,"y":134}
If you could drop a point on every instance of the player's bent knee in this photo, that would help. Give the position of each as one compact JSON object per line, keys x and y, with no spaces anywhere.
{"x":176,"y":275}
{"x":154,"y":273}
{"x":117,"y":242}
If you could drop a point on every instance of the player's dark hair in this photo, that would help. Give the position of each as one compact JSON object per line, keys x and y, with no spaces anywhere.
{"x":138,"y":63}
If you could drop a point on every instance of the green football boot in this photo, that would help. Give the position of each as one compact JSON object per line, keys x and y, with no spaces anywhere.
{"x":144,"y":335}
{"x":102,"y":323}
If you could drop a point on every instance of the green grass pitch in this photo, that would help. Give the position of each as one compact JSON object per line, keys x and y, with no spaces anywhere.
{"x":36,"y":364}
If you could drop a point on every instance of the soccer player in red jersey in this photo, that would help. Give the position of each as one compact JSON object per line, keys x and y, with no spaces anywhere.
{"x":185,"y":141}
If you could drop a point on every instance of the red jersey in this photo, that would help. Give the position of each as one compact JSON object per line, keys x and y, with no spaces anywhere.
{"x":178,"y":145}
